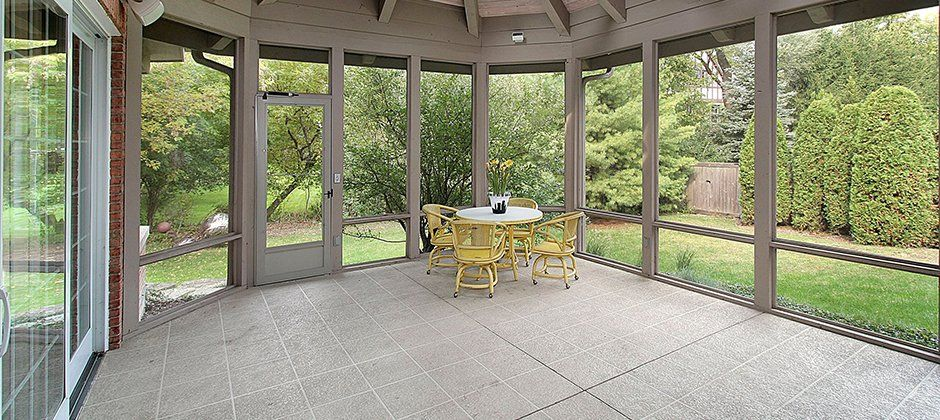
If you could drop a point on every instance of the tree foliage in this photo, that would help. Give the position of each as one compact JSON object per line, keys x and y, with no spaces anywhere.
{"x":185,"y":134}
{"x":813,"y":132}
{"x":527,"y":125}
{"x":857,"y":58}
{"x":838,"y":168}
{"x":784,"y":191}
{"x":614,"y":142}
{"x":295,"y":137}
{"x":375,"y":141}
{"x":894,"y":171}
{"x":446,"y":139}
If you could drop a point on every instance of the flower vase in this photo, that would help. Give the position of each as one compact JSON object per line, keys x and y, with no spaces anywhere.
{"x":499,"y":203}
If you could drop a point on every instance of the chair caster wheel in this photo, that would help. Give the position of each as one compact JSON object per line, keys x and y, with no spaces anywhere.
{"x":526,"y":263}
{"x":577,"y":278}
{"x":491,"y":295}
{"x":535,"y":282}
{"x":567,"y":286}
{"x":455,"y":295}
{"x":429,"y":272}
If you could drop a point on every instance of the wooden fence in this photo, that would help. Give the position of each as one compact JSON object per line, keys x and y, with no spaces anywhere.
{"x":714,"y":189}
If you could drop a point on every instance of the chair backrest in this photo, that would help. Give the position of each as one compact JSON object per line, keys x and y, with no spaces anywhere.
{"x":478,"y":240}
{"x":523,"y":202}
{"x":436,"y":217}
{"x":562,"y":230}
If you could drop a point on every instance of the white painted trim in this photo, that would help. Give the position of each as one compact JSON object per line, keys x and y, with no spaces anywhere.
{"x":95,"y":11}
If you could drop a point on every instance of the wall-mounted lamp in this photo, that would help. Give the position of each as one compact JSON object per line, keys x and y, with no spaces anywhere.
{"x":518,"y":37}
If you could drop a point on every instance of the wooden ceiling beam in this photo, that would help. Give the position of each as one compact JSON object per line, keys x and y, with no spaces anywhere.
{"x":617,"y":9}
{"x":385,"y":10}
{"x":472,"y":9}
{"x":559,"y":15}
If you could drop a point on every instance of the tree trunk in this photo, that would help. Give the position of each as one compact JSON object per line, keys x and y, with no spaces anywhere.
{"x":281,"y":196}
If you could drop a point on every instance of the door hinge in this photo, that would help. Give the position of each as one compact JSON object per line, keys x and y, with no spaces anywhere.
{"x":329,"y":194}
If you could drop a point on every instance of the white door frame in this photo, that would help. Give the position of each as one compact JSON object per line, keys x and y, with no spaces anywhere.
{"x":261,"y":144}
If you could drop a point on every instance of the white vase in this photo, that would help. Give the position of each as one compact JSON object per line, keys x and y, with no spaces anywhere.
{"x":499,"y":203}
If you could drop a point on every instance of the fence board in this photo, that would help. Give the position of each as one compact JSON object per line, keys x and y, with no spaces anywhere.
{"x":714,"y":189}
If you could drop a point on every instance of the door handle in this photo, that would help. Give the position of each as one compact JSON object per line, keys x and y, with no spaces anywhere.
{"x":7,"y":323}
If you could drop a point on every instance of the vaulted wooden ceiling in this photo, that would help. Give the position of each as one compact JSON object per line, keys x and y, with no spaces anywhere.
{"x":558,"y":11}
{"x":492,"y":8}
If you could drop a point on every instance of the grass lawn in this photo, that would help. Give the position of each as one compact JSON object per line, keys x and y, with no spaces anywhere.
{"x":372,"y":242}
{"x":876,"y":298}
{"x":31,"y":291}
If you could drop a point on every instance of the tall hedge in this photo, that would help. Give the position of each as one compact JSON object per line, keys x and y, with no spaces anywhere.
{"x":813,"y":131}
{"x":784,"y":185}
{"x":894,"y":171}
{"x":839,"y":169}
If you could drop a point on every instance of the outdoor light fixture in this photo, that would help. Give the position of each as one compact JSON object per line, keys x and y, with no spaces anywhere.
{"x":518,"y":37}
{"x":148,"y":11}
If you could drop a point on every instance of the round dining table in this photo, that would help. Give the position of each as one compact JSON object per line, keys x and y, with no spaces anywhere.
{"x":512,"y":217}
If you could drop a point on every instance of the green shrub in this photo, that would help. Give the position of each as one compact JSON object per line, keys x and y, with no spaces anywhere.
{"x":746,"y":175}
{"x":894,"y":171}
{"x":784,"y":182}
{"x":813,"y":131}
{"x":839,"y":169}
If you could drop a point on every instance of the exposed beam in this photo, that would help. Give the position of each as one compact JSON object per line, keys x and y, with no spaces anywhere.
{"x":558,"y":14}
{"x":617,"y":9}
{"x":472,"y":9}
{"x":385,"y":10}
{"x":266,"y":2}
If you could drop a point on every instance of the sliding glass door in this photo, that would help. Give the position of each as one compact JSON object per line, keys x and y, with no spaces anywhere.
{"x":53,"y":210}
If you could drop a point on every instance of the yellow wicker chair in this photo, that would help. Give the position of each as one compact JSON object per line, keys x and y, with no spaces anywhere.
{"x":524,"y":235}
{"x":440,"y":234}
{"x":558,"y":243}
{"x":478,"y":245}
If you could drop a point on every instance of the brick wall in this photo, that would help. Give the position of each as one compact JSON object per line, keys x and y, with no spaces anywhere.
{"x":116,"y":11}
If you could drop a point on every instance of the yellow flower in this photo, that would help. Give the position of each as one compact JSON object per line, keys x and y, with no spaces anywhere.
{"x":508,"y":163}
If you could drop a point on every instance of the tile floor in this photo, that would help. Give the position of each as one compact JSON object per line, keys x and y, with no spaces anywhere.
{"x":392,"y":342}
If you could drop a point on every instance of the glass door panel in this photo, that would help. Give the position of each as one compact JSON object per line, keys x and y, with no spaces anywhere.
{"x":293,"y":166}
{"x":34,"y":206}
{"x":294,"y":174}
{"x":81,"y":205}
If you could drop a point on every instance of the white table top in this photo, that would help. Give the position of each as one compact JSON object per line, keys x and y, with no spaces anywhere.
{"x":513,"y":215}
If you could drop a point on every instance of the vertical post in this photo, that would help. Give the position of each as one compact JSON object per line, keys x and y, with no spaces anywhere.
{"x":765,"y":170}
{"x":574,"y":137}
{"x":481,"y":132}
{"x":650,"y":156}
{"x":242,"y":260}
{"x":574,"y":142}
{"x":337,"y":62}
{"x":414,"y":157}
{"x":130,"y":308}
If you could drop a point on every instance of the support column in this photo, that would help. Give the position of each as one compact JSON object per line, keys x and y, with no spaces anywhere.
{"x":130,"y":305}
{"x":336,"y":209}
{"x":481,"y":132}
{"x":574,"y":136}
{"x":650,"y":156}
{"x":765,"y":171}
{"x":244,"y":183}
{"x":413,"y":154}
{"x":574,"y":143}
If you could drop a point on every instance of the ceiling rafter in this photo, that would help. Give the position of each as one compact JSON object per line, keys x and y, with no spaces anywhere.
{"x":472,"y":9}
{"x":559,"y":15}
{"x":385,"y":10}
{"x":617,"y":9}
